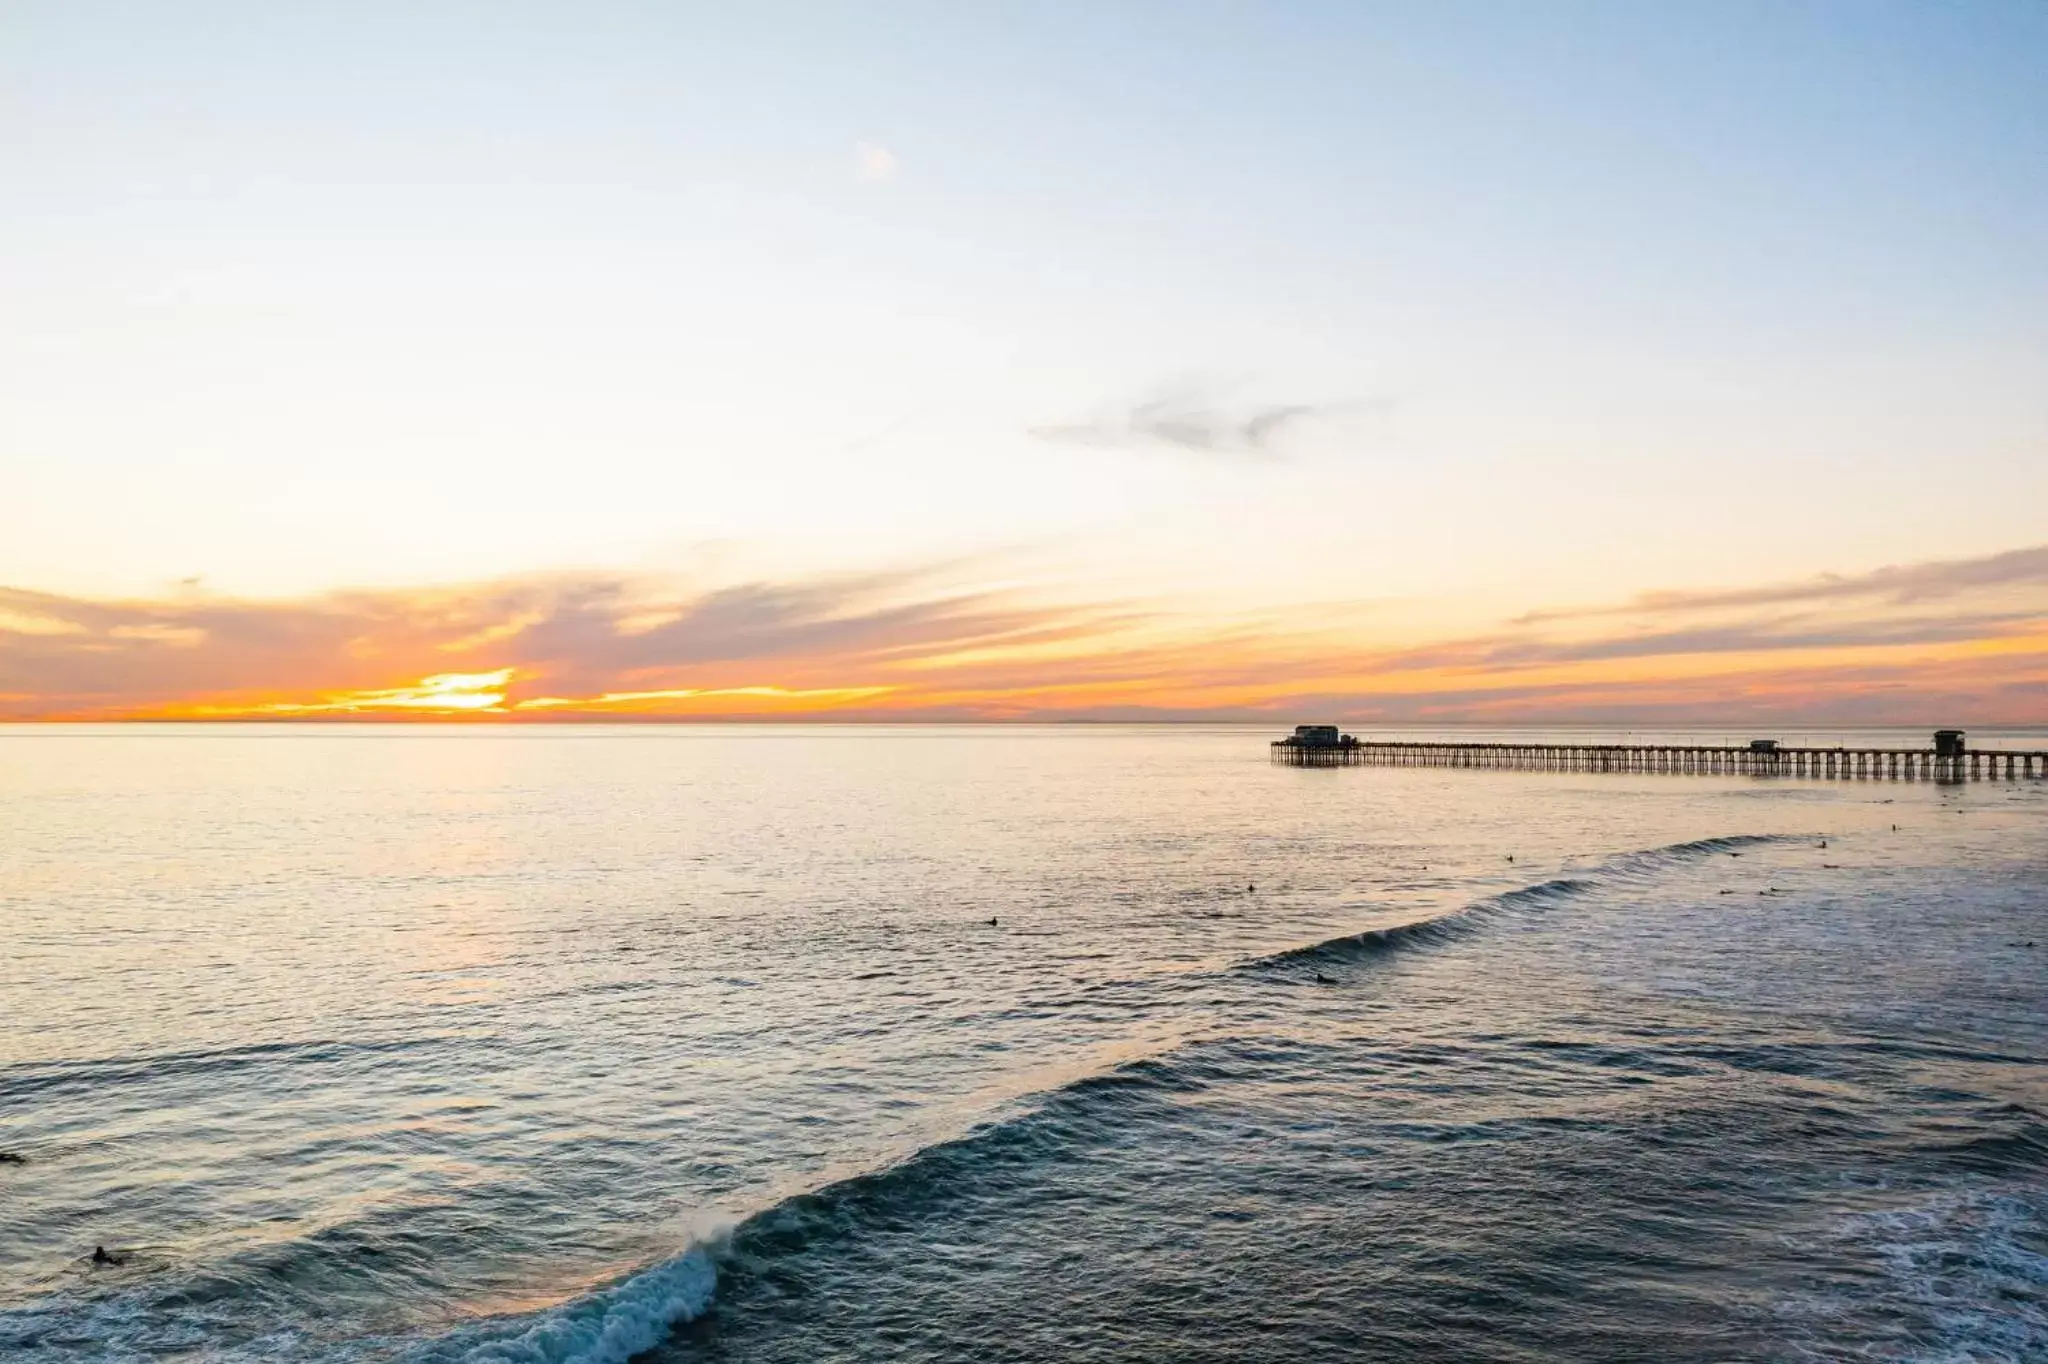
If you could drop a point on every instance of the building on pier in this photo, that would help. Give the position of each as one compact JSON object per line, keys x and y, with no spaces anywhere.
{"x":1318,"y":736}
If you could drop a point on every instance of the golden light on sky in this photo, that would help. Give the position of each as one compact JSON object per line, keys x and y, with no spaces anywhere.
{"x":1341,"y":364}
{"x":1907,"y":644}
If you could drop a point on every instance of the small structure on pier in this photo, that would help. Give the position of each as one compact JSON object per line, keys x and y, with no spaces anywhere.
{"x":1316,"y":746}
{"x":1948,"y":743}
{"x":1316,"y":736}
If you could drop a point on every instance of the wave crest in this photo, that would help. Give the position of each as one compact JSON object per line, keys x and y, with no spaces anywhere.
{"x":609,"y":1326}
{"x":1440,"y":927}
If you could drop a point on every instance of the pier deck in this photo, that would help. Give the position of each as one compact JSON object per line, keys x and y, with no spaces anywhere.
{"x":1896,"y":764}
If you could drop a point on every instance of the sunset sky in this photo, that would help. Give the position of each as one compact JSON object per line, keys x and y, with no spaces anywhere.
{"x":1408,"y":362}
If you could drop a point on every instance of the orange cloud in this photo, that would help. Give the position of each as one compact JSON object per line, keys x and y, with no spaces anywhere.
{"x":1966,"y":641}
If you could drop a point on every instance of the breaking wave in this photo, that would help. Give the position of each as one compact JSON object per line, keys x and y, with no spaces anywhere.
{"x":1437,"y":928}
{"x":1443,"y":927}
{"x":1656,"y":859}
{"x":609,"y":1326}
{"x":637,"y":1312}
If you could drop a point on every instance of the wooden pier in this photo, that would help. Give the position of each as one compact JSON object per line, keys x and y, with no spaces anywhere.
{"x":1762,"y":759}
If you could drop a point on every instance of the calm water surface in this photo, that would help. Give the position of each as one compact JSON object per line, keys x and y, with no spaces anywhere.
{"x":1005,"y":1043}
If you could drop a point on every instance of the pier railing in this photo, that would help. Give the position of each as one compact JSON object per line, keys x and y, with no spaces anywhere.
{"x":1896,"y":764}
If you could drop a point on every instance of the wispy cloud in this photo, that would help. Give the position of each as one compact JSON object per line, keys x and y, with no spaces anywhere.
{"x":1772,"y":635}
{"x":1901,"y":585}
{"x":1188,"y":420}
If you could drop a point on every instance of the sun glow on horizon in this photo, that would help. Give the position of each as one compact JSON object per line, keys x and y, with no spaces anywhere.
{"x":441,"y":693}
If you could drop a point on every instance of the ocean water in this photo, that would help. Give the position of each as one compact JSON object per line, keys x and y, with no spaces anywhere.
{"x":1077,"y":1044}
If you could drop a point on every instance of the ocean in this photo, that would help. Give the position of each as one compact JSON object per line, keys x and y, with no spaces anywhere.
{"x":803,"y":1043}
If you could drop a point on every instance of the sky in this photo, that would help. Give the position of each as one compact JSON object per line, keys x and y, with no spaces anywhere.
{"x":1505,"y":361}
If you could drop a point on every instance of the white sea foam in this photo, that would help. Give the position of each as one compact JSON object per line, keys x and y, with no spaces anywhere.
{"x":609,"y":1326}
{"x":1965,"y":1260}
{"x":1963,"y":1265}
